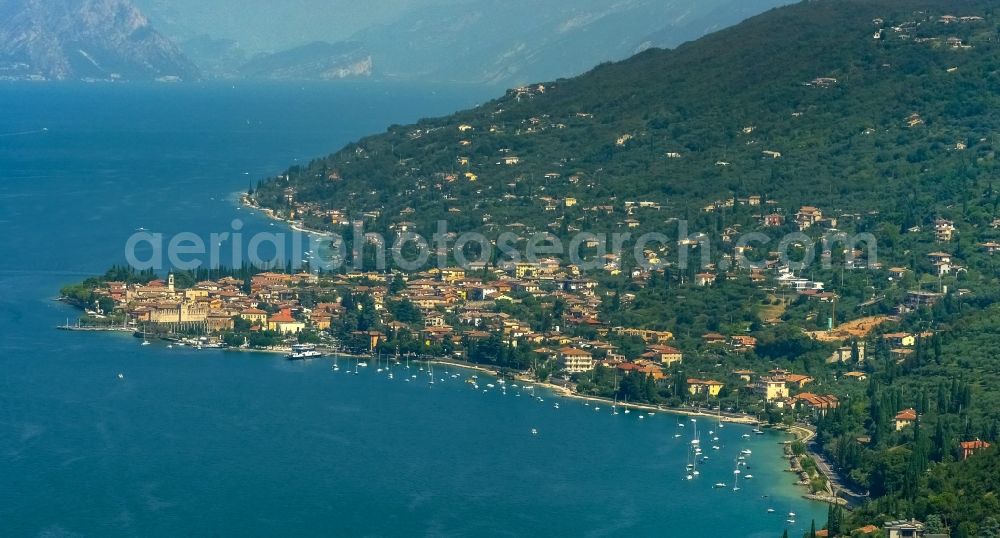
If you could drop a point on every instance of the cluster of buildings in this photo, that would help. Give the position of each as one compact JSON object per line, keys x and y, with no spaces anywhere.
{"x":215,"y":306}
{"x":454,"y":304}
{"x":777,"y":389}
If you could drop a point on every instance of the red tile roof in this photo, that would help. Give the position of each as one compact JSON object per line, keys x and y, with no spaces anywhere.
{"x":285,"y":316}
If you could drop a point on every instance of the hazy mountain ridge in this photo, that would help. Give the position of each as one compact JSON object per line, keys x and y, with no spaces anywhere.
{"x":85,"y":39}
{"x":466,"y":41}
{"x":514,"y":42}
{"x":323,"y":61}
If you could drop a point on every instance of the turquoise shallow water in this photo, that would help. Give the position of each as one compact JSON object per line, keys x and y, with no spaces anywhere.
{"x":216,"y":443}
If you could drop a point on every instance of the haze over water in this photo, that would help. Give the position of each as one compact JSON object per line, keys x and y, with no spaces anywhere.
{"x":223,"y":443}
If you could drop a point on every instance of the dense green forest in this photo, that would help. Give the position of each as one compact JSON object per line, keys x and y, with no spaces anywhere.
{"x":716,"y":105}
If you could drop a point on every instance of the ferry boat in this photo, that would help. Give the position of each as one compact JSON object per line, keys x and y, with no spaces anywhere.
{"x":304,"y":351}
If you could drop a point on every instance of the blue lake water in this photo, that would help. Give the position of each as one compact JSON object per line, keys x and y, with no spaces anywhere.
{"x":225,"y":443}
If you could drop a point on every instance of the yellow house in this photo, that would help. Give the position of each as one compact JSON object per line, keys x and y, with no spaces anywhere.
{"x":374,"y":337}
{"x":698,"y":386}
{"x":284,"y":323}
{"x":576,"y":360}
{"x":254,"y":315}
{"x":523,"y":269}
{"x":665,"y":354}
{"x":452,"y":274}
{"x":570,"y":202}
{"x":905,"y":418}
{"x":900,"y":339}
{"x":321,"y":321}
{"x":773,"y":388}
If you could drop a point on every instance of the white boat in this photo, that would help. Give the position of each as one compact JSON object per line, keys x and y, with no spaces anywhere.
{"x":304,"y":351}
{"x":719,"y":485}
{"x":534,"y":431}
{"x":748,"y":477}
{"x":770,"y":510}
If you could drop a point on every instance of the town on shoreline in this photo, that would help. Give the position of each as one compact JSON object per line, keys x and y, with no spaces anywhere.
{"x":452,"y":316}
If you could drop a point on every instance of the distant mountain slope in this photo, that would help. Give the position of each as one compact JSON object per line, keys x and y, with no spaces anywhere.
{"x":502,"y":42}
{"x":84,"y":39}
{"x":511,"y":42}
{"x":803,"y":105}
{"x":322,"y":61}
{"x":217,"y":58}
